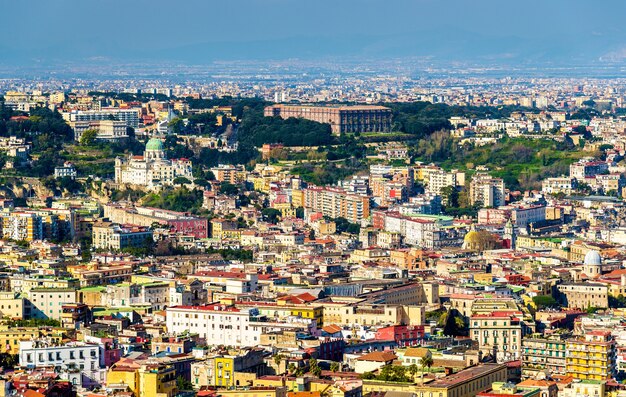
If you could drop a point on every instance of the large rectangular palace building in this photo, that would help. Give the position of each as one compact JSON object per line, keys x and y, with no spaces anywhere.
{"x":359,"y":118}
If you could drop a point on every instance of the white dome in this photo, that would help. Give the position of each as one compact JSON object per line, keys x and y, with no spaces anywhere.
{"x":593,"y":258}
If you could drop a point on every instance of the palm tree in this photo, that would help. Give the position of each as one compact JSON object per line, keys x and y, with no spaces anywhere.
{"x":413,"y":370}
{"x":278,"y":360}
{"x":427,"y":362}
{"x":335,"y":367}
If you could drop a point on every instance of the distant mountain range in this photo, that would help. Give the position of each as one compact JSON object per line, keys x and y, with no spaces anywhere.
{"x":455,"y":45}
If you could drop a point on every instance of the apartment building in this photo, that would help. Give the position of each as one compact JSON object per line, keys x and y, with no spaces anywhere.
{"x":564,"y":184}
{"x":67,"y":170}
{"x":228,"y":173}
{"x":486,"y":191}
{"x":144,"y":381}
{"x":465,"y":383}
{"x":337,"y":203}
{"x":80,"y":362}
{"x":109,"y":235}
{"x":541,"y":354}
{"x":22,"y":226}
{"x":498,"y":333}
{"x":583,"y":295}
{"x":584,"y":169}
{"x":107,"y":130}
{"x":10,"y":337}
{"x":592,"y":356}
{"x":129,"y":116}
{"x":179,"y":222}
{"x":439,"y":180}
{"x":47,"y":303}
{"x":225,"y":325}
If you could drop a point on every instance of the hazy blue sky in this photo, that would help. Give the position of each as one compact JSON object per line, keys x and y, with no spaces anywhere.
{"x":204,"y":30}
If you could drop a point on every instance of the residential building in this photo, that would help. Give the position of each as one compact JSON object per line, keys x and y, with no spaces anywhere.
{"x":543,"y":354}
{"x":564,"y":184}
{"x":145,"y":380}
{"x":107,"y":130}
{"x":583,"y":169}
{"x":583,"y":295}
{"x":591,"y":356}
{"x":47,"y":303}
{"x":81,"y":362}
{"x":486,"y":191}
{"x":178,"y":222}
{"x":21,"y":226}
{"x":109,"y":235}
{"x":129,"y":116}
{"x":67,"y":170}
{"x":10,"y":337}
{"x":465,"y":383}
{"x":337,"y":203}
{"x":228,"y":173}
{"x":499,"y":334}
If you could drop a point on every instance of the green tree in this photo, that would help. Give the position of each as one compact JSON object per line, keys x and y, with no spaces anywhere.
{"x":9,"y":361}
{"x":543,"y":301}
{"x":617,"y":302}
{"x":183,"y":384}
{"x":228,"y":189}
{"x":181,"y":180}
{"x":88,"y":137}
{"x":314,"y":367}
{"x":426,"y":361}
{"x":335,"y":367}
{"x":270,"y":215}
{"x":176,"y":125}
{"x":454,"y":324}
{"x":450,"y":196}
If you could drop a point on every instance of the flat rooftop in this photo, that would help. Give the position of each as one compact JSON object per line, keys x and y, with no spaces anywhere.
{"x":465,"y":375}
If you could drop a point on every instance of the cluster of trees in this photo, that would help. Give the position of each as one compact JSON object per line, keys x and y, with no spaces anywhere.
{"x":131,"y":97}
{"x":270,"y":215}
{"x":453,"y":323}
{"x":400,"y":373}
{"x":420,"y":118}
{"x":179,"y":199}
{"x":424,"y":118}
{"x":233,"y":254}
{"x":63,"y":184}
{"x":545,"y":301}
{"x":328,"y":173}
{"x":344,"y":226}
{"x":256,"y":130}
{"x":239,"y":105}
{"x":34,"y":322}
{"x":200,"y":124}
{"x":522,"y":163}
{"x":9,"y":361}
{"x":45,"y":129}
{"x":618,"y":301}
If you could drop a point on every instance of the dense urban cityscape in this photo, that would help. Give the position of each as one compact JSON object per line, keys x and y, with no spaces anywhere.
{"x":338,"y":226}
